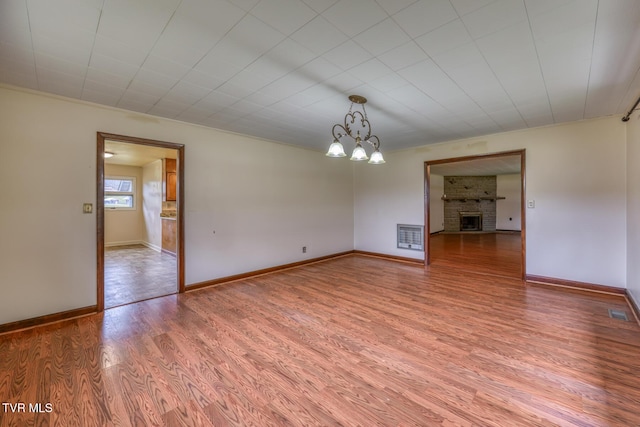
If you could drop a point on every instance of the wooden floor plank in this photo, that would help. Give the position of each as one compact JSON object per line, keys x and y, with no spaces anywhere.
{"x":349,"y":341}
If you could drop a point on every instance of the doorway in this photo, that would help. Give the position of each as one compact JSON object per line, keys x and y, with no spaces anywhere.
{"x":486,"y":248}
{"x":139,"y":215}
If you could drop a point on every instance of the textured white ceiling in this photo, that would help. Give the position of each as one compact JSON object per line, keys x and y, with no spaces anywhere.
{"x":433,"y":70}
{"x":136,"y":154}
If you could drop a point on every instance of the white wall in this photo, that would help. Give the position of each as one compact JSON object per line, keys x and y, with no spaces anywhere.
{"x":577,"y":230}
{"x":436,"y":204}
{"x":152,"y":204}
{"x":124,"y":227}
{"x":264,"y":200}
{"x":384,"y":196}
{"x":633,"y":207}
{"x":508,"y":210}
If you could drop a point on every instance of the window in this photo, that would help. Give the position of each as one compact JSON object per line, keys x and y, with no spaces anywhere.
{"x":119,"y":192}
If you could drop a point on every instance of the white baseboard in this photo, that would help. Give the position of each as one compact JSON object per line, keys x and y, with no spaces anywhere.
{"x":123,"y":243}
{"x":152,"y":246}
{"x":134,"y":242}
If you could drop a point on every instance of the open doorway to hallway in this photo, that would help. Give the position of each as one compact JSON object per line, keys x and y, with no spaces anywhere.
{"x":139,"y":212}
{"x":474,"y":213}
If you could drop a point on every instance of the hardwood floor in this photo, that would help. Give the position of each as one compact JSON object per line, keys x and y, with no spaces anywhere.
{"x":350,"y":341}
{"x":489,"y":253}
{"x":135,"y":273}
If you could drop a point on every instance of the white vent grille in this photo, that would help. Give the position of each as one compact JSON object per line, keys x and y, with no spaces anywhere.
{"x":411,"y":237}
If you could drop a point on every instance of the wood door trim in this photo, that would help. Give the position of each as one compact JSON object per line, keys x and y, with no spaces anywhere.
{"x":523,"y":210}
{"x":101,"y":138}
{"x":427,"y":207}
{"x":427,"y":213}
{"x":476,"y":157}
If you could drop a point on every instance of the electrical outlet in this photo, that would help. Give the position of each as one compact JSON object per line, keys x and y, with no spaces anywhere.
{"x":304,"y":249}
{"x":531,"y":204}
{"x":87,"y":208}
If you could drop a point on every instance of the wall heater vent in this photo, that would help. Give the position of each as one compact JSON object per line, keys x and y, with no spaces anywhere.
{"x":411,"y":237}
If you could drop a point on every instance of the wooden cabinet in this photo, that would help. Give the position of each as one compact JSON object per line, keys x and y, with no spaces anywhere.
{"x":170,"y":180}
{"x":171,"y":186}
{"x":169,"y":235}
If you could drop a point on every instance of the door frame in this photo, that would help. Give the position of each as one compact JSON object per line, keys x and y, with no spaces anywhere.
{"x":523,"y":222}
{"x":101,"y":138}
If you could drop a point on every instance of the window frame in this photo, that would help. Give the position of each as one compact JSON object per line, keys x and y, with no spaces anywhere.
{"x":133,"y":193}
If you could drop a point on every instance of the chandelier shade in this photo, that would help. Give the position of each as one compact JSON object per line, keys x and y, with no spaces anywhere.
{"x":376,"y":158}
{"x":356,"y":121}
{"x":359,"y":154}
{"x":336,"y":149}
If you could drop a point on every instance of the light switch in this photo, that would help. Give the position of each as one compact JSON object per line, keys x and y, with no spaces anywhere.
{"x":87,"y":208}
{"x":531,"y":204}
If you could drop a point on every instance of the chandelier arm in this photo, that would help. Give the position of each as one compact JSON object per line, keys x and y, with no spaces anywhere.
{"x":339,"y":134}
{"x":376,"y":144}
{"x":364,"y":123}
{"x":347,"y":123}
{"x":368,"y":135}
{"x":366,"y":119}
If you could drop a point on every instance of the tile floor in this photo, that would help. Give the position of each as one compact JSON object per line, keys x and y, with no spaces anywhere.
{"x":136,"y":272}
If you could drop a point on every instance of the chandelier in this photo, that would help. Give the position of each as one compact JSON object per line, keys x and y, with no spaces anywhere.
{"x":359,"y":120}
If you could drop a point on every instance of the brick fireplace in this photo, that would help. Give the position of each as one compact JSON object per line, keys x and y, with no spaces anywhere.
{"x":470,"y":203}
